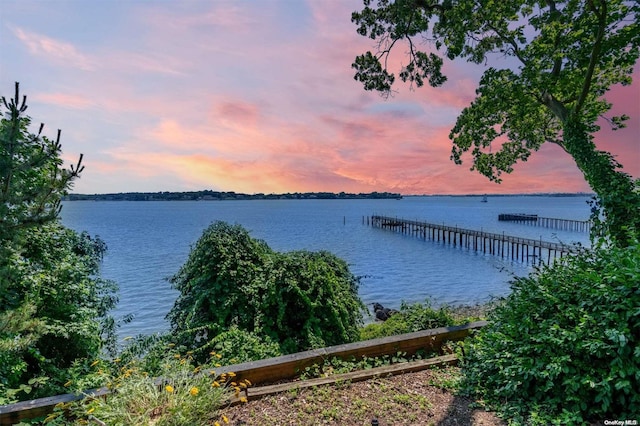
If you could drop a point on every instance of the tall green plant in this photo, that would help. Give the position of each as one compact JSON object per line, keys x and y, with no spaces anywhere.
{"x":564,"y":347}
{"x":61,"y":308}
{"x":300,"y":300}
{"x":53,"y":305}
{"x":313,"y":301}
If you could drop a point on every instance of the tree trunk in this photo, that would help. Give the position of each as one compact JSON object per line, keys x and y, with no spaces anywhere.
{"x":617,"y":194}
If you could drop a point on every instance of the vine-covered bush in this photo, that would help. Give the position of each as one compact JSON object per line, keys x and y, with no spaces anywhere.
{"x":300,"y":300}
{"x":563,"y":347}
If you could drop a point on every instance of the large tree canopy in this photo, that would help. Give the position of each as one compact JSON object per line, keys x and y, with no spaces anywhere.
{"x":558,"y":60}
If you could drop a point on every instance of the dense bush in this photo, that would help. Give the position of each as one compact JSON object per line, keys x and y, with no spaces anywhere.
{"x":409,"y":318}
{"x":300,"y":300}
{"x":563,"y":347}
{"x":54,"y":309}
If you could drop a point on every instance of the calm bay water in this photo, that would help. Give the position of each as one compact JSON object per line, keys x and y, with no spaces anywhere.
{"x":149,"y":241}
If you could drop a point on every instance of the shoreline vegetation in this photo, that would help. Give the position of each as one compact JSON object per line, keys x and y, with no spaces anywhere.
{"x":210,"y":195}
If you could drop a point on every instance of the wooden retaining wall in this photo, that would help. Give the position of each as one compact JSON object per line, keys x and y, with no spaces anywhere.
{"x":547,"y":222}
{"x":285,"y":367}
{"x":514,"y":248}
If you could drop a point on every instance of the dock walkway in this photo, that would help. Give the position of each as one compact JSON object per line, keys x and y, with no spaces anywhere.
{"x":515,"y":248}
{"x":547,"y":222}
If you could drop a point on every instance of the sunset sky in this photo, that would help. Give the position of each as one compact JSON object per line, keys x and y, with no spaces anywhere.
{"x":250,"y":96}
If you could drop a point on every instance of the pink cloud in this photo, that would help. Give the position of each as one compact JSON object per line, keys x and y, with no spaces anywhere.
{"x":226,"y":95}
{"x":221,"y":14}
{"x":65,"y":100}
{"x":624,"y":144}
{"x":48,"y":47}
{"x":243,"y":114}
{"x":159,"y":63}
{"x":124,"y":61}
{"x":231,"y":133}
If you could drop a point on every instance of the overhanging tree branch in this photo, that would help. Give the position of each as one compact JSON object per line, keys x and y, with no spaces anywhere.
{"x":510,"y":41}
{"x":595,"y":55}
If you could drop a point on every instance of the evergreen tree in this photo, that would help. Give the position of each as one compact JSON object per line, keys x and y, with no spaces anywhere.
{"x":53,"y":305}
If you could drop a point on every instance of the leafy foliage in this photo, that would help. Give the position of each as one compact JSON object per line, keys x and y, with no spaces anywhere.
{"x":300,"y":300}
{"x":53,"y":305}
{"x":563,"y":56}
{"x":564,"y":346}
{"x":337,"y":365}
{"x":410,"y":318}
{"x":236,"y":345}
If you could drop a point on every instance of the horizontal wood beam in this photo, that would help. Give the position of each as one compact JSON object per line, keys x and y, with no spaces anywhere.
{"x":353,"y":376}
{"x":289,"y":366}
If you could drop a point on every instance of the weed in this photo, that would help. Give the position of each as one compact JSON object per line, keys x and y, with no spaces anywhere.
{"x":185,"y":395}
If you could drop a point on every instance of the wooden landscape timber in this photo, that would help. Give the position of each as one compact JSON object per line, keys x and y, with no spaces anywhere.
{"x":284,"y":367}
{"x":289,"y":366}
{"x":506,"y":246}
{"x":254,"y":393}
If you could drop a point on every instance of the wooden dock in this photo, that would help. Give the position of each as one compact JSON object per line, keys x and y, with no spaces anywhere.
{"x":547,"y":222}
{"x":514,"y":248}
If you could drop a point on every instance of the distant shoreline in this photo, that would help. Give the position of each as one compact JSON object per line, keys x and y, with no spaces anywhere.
{"x":209,"y":195}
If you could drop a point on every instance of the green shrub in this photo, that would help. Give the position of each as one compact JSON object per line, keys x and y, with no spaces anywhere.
{"x":409,"y":318}
{"x":300,"y":300}
{"x":563,"y":347}
{"x":235,"y":346}
{"x":54,"y":309}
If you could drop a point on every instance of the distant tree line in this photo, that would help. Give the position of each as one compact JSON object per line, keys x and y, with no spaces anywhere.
{"x":217,"y":195}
